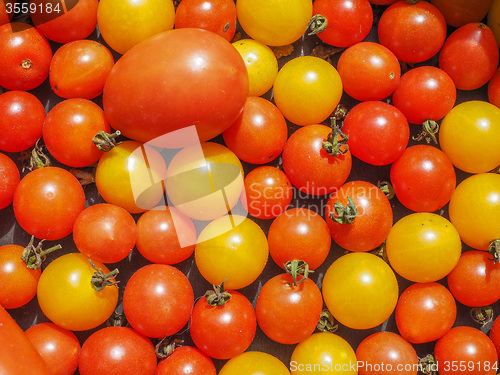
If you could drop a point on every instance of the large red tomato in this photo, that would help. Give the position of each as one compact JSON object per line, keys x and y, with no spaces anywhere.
{"x":176,"y":79}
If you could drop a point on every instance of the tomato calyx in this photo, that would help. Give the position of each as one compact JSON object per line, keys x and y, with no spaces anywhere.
{"x":381,"y":252}
{"x":106,"y":141}
{"x":118,"y":318}
{"x":387,"y":189}
{"x":326,"y":322}
{"x":26,"y":63}
{"x":412,"y":2}
{"x":295,"y":268}
{"x":85,"y":177}
{"x":35,"y":159}
{"x":218,"y":296}
{"x":428,"y":364}
{"x":101,"y":280}
{"x":166,"y":346}
{"x":344,"y":215}
{"x":317,"y":24}
{"x":482,"y":315}
{"x":494,"y":250}
{"x":34,"y":256}
{"x":429,"y":131}
{"x":333,"y":145}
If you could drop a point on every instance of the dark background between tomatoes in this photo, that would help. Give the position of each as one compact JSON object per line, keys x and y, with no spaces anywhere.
{"x":12,"y":233}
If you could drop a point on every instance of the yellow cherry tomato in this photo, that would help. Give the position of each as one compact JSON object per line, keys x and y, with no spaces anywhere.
{"x":475,"y":210}
{"x":254,"y":363}
{"x":493,"y":19}
{"x":307,"y":90}
{"x":274,"y":22}
{"x":423,"y":247}
{"x":360,"y":290}
{"x":261,"y":63}
{"x":125,"y":23}
{"x":68,"y":297}
{"x":231,"y":249}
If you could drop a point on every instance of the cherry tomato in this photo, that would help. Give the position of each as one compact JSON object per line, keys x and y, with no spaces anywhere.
{"x":493,"y":19}
{"x":474,"y":281}
{"x":307,"y":90}
{"x":476,"y":50}
{"x":494,"y":89}
{"x":378,"y":132}
{"x":6,"y":14}
{"x":474,"y":210}
{"x":130,"y":176}
{"x":369,"y":71}
{"x":79,"y":69}
{"x":460,"y":12}
{"x":117,"y":350}
{"x":217,"y":16}
{"x":386,"y":351}
{"x":494,"y":334}
{"x":10,"y":177}
{"x":373,"y":220}
{"x":468,"y":350}
{"x":67,"y":282}
{"x":25,"y":58}
{"x":59,"y":348}
{"x":301,"y":234}
{"x":185,"y":360}
{"x":223,"y":327}
{"x":360,"y":290}
{"x":425,"y":312}
{"x":165,"y":236}
{"x":68,"y":131}
{"x":347,"y":22}
{"x":414,"y":31}
{"x":275,"y":23}
{"x":383,"y":2}
{"x":288,"y":313}
{"x":259,"y":135}
{"x":254,"y":363}
{"x":232,"y":249}
{"x":423,"y":247}
{"x":123,"y":24}
{"x":308,"y":165}
{"x":423,"y":178}
{"x":105,"y":233}
{"x":470,"y":127}
{"x":328,"y":351}
{"x":158,"y":300}
{"x":47,"y":202}
{"x":425,"y":93}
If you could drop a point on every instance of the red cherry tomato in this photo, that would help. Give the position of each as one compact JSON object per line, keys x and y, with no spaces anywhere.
{"x":10,"y":177}
{"x":6,"y":11}
{"x":423,"y":178}
{"x":494,"y":89}
{"x":185,"y":360}
{"x":27,"y":112}
{"x":217,"y":16}
{"x":25,"y":58}
{"x":495,"y":334}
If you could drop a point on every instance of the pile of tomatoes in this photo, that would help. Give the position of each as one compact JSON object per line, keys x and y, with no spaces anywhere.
{"x":354,"y":143}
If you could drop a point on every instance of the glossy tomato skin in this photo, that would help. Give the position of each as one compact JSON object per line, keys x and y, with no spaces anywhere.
{"x":414,"y":32}
{"x":79,"y":69}
{"x":378,"y":132}
{"x":425,"y":93}
{"x":389,"y":349}
{"x":47,"y":202}
{"x":158,"y":300}
{"x":10,"y":177}
{"x":288,"y":313}
{"x":66,"y":281}
{"x":117,"y":350}
{"x":309,"y":167}
{"x":25,"y":59}
{"x":185,"y":360}
{"x":474,"y":281}
{"x":223,"y":332}
{"x":59,"y":347}
{"x":423,"y":178}
{"x":68,"y":131}
{"x":466,"y":348}
{"x":253,"y":363}
{"x":475,"y":47}
{"x":425,"y":312}
{"x":369,"y":71}
{"x":211,"y":98}
{"x":27,"y":112}
{"x":19,"y":282}
{"x":373,"y":222}
{"x":217,"y":16}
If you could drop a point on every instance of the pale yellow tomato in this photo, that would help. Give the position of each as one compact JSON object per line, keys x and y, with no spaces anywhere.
{"x":261,"y":63}
{"x":254,"y":363}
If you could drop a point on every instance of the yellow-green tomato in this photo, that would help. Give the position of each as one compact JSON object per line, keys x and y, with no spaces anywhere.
{"x":475,"y":210}
{"x":125,"y":23}
{"x":254,"y":363}
{"x":307,"y":89}
{"x":423,"y":247}
{"x":274,"y":22}
{"x":360,"y":290}
{"x":231,"y":249}
{"x":67,"y":296}
{"x":261,"y":63}
{"x":470,"y":135}
{"x":323,"y":353}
